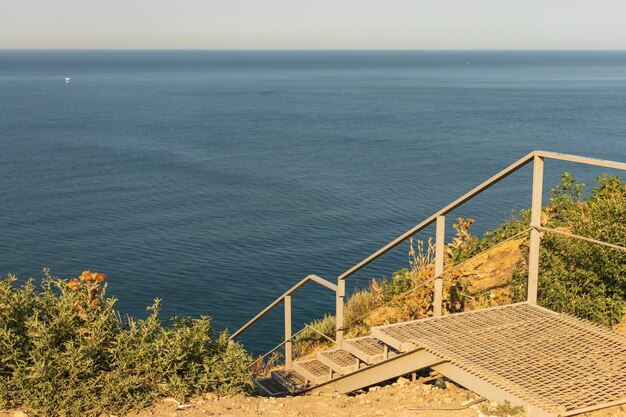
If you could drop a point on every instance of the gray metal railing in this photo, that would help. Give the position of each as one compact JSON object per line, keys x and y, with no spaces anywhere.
{"x":536,"y":157}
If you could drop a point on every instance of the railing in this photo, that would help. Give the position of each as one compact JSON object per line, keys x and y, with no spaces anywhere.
{"x":537,"y":157}
{"x":286,"y":299}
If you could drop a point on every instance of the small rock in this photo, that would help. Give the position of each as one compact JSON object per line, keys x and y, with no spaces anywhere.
{"x":440,"y":383}
{"x":171,"y":403}
{"x":374,"y":388}
{"x":402,"y":381}
{"x":20,"y":414}
{"x":211,"y":397}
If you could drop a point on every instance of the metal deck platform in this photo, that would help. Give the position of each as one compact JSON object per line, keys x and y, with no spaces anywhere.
{"x":557,"y":364}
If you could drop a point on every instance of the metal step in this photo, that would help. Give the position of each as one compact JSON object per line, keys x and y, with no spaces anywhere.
{"x":395,"y":336}
{"x":369,"y":349}
{"x":313,"y":371}
{"x":269,"y":386}
{"x":292,"y":381}
{"x":339,"y":360}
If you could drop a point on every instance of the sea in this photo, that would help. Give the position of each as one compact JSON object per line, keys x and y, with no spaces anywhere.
{"x":215,"y":180}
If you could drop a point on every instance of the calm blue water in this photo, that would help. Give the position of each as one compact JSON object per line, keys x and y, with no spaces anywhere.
{"x":215,"y":180}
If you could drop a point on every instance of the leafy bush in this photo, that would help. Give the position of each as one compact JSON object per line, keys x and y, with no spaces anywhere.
{"x":67,"y":351}
{"x":401,"y":282}
{"x":578,"y":277}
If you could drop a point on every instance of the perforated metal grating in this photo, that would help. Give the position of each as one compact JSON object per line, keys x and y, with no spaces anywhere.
{"x":370,"y":345}
{"x":270,"y":386}
{"x":291,"y":380}
{"x":560,"y":363}
{"x":340,"y":357}
{"x":315,"y":367}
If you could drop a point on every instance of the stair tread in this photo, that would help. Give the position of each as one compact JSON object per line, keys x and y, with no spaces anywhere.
{"x":367,"y":344}
{"x":369,"y":348}
{"x":340,"y":356}
{"x":339,"y":360}
{"x":314,"y":367}
{"x":291,"y":380}
{"x":270,"y":386}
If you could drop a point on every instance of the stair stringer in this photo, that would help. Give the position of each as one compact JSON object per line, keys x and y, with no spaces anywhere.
{"x":488,"y":390}
{"x":419,"y":359}
{"x":378,"y":372}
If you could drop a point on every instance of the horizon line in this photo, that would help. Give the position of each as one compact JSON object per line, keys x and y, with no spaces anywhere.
{"x":321,"y":49}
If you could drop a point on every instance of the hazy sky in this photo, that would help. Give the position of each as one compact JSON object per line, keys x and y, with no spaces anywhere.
{"x":326,"y":24}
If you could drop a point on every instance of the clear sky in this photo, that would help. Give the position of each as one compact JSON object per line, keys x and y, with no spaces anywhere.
{"x":319,"y":24}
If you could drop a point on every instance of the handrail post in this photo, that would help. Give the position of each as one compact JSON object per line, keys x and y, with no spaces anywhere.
{"x":288,"y":335}
{"x":439,"y":249}
{"x":535,"y":234}
{"x":341,"y":292}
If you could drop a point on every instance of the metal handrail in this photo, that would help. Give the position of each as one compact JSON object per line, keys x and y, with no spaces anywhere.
{"x":586,"y":239}
{"x":582,"y":160}
{"x":474,"y":192}
{"x":289,"y":292}
{"x":447,"y":209}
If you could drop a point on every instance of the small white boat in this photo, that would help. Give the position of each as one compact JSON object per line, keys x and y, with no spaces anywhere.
{"x":67,"y":79}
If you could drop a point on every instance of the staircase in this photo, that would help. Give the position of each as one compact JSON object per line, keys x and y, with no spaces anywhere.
{"x":549,"y":363}
{"x":358,"y":354}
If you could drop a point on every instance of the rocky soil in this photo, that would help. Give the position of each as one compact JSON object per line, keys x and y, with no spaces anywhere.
{"x":400,"y":399}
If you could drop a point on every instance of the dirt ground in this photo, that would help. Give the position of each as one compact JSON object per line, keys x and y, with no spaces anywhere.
{"x":400,"y":399}
{"x":397,"y":400}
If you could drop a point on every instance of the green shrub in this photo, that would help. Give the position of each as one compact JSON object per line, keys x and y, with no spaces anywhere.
{"x":67,"y":351}
{"x":401,"y":281}
{"x":578,"y":277}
